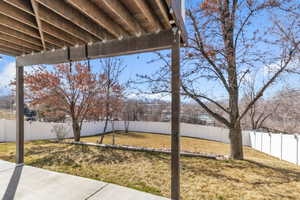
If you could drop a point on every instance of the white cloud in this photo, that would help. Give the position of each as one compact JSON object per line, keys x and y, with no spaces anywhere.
{"x":7,"y":75}
{"x":165,"y":97}
{"x":273,"y":68}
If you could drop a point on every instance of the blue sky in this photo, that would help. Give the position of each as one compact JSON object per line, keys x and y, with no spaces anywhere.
{"x":136,"y":64}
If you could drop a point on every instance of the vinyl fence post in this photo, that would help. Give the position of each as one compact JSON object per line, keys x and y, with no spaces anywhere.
{"x":261,"y":142}
{"x":297,"y":148}
{"x":270,"y":136}
{"x":254,"y":139}
{"x":280,"y":146}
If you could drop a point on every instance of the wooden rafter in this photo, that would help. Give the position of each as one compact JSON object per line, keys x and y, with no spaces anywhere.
{"x":14,"y":13}
{"x":162,"y":8}
{"x":18,"y":26}
{"x":37,"y":25}
{"x":116,"y":8}
{"x":65,"y":25}
{"x":14,"y":40}
{"x":67,"y":39}
{"x":19,"y":35}
{"x":9,"y":52}
{"x":68,"y":12}
{"x":38,"y":21}
{"x":89,"y":9}
{"x":145,"y":9}
{"x":23,"y":5}
{"x":15,"y":47}
{"x":52,"y":42}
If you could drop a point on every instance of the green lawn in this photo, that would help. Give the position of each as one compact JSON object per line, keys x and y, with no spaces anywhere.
{"x":258,"y":177}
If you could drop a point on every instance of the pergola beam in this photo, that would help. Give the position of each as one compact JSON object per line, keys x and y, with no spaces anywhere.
{"x":38,"y":21}
{"x":146,"y":43}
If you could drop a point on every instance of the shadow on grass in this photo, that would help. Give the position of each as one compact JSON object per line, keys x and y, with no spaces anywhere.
{"x":131,"y":134}
{"x":282,"y":171}
{"x":266,"y":175}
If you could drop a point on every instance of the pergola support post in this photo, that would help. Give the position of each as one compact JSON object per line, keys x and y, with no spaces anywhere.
{"x":20,"y":115}
{"x":175,"y":123}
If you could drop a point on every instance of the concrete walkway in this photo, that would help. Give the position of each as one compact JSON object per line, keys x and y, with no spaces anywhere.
{"x":30,"y":183}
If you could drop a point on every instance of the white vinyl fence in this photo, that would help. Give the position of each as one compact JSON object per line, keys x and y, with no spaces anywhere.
{"x":285,"y":147}
{"x":42,"y":130}
{"x":189,"y":130}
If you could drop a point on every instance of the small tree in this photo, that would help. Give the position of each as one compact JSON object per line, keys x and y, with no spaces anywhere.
{"x":113,"y":91}
{"x":69,"y":88}
{"x":127,"y":115}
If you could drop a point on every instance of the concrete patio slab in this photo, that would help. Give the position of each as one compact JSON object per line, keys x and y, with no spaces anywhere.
{"x":117,"y":192}
{"x":30,"y":183}
{"x":4,"y":165}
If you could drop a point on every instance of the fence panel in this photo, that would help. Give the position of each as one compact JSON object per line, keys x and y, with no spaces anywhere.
{"x":266,"y":143}
{"x":289,"y":147}
{"x":276,"y":145}
{"x":258,"y":137}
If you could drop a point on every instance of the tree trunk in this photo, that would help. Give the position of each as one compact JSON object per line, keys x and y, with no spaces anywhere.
{"x":76,"y":131}
{"x":104,"y":130}
{"x":236,"y":143}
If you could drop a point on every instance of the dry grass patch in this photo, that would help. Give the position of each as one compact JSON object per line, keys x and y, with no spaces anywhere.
{"x":259,"y":177}
{"x":4,"y":114}
{"x":164,"y":141}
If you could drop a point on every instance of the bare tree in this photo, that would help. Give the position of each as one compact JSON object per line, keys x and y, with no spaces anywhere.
{"x":286,"y":117}
{"x":112,"y":69}
{"x":260,"y":111}
{"x":227,"y":42}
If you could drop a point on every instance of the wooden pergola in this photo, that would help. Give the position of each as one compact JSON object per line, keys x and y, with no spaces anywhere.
{"x":58,"y":31}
